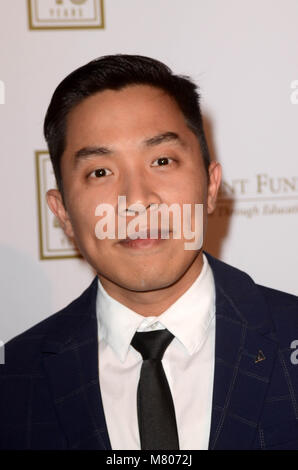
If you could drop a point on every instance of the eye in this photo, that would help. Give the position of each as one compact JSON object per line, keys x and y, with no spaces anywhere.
{"x":100,"y":172}
{"x":162,"y":161}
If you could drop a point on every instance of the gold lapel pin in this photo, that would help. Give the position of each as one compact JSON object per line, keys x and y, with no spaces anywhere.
{"x":260,"y":357}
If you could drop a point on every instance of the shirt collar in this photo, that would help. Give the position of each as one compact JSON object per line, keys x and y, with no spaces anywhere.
{"x":187,"y":319}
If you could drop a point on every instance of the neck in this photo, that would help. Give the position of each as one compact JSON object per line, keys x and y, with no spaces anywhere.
{"x":157,"y":301}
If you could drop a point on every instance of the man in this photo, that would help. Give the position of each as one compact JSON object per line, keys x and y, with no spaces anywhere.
{"x":168,"y":348}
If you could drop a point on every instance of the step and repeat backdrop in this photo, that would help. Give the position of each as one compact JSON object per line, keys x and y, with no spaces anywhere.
{"x":243,"y":54}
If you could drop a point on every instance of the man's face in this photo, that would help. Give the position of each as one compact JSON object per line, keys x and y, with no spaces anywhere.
{"x":146,"y":152}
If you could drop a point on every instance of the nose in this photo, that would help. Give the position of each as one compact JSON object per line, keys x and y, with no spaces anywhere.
{"x":140,"y":193}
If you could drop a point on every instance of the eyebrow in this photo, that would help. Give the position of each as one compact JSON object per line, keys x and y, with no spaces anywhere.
{"x":165,"y":137}
{"x":86,"y":152}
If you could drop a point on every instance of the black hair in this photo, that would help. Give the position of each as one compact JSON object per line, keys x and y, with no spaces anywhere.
{"x":115,"y":72}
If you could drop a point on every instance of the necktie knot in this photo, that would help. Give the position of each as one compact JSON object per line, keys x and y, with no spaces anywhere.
{"x":152,"y":344}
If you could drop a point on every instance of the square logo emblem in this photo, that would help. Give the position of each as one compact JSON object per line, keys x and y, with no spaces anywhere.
{"x":65,"y":14}
{"x":53,"y":243}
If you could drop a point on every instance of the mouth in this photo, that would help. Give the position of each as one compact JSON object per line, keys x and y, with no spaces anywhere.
{"x":145,"y":239}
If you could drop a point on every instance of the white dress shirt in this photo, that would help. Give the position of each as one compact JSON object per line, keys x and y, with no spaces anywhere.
{"x":188,"y":363}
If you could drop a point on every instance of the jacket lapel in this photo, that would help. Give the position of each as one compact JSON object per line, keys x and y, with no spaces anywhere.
{"x":70,"y":358}
{"x":244,"y":358}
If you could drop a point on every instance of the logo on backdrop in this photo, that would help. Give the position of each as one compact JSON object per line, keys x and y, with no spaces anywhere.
{"x":261,"y":194}
{"x":53,"y":243}
{"x":65,"y":14}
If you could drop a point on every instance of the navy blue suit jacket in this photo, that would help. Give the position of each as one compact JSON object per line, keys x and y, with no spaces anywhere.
{"x":49,"y":386}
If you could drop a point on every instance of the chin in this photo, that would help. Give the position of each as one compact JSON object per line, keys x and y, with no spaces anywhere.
{"x":147,"y":283}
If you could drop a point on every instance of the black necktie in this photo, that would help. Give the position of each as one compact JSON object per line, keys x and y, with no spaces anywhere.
{"x":156,"y":412}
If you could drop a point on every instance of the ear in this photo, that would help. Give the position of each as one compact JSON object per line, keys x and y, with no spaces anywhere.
{"x":55,"y":203}
{"x":214,"y":183}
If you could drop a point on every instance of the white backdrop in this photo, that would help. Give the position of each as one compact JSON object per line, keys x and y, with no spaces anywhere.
{"x":244,"y":56}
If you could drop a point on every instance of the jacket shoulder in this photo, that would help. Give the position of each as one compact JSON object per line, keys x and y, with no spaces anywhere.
{"x":22,"y":352}
{"x":283,"y":309}
{"x":276,"y":297}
